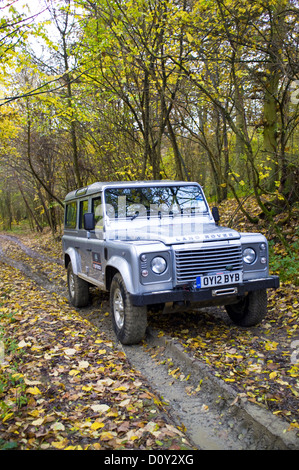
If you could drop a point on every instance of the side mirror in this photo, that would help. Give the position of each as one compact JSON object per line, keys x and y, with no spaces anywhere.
{"x":215,"y":214}
{"x":89,"y":222}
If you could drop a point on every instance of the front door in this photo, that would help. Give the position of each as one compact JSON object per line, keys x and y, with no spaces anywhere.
{"x":96,"y":244}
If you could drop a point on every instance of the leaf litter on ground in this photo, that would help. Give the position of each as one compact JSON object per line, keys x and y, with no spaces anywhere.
{"x":64,"y":385}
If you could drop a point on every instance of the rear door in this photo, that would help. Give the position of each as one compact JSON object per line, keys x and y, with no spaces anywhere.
{"x":82,"y":241}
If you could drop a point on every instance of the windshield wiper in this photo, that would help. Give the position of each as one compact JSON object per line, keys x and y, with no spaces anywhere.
{"x":135,"y":215}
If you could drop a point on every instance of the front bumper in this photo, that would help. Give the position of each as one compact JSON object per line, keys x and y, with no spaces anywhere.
{"x":204,"y":295}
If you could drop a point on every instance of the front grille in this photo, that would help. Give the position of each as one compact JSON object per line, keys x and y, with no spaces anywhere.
{"x":193,"y":263}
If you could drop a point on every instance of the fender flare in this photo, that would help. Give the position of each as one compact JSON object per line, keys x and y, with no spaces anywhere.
{"x":74,"y":257}
{"x":125,"y":270}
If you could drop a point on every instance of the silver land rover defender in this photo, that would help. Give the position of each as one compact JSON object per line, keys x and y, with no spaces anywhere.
{"x":156,"y":243}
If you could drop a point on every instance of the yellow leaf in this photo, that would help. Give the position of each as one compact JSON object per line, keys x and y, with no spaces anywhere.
{"x":7,"y":417}
{"x":17,"y":376}
{"x":106,"y":436}
{"x":86,"y":388}
{"x":34,"y":390}
{"x":60,"y":444}
{"x":271,"y":345}
{"x":294,"y":425}
{"x":273,"y":375}
{"x":36,"y":413}
{"x":282,"y":382}
{"x":74,"y":372}
{"x":96,"y":425}
{"x":112,"y":414}
{"x":189,"y":37}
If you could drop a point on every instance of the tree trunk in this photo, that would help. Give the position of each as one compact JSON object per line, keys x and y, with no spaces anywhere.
{"x":270,"y":128}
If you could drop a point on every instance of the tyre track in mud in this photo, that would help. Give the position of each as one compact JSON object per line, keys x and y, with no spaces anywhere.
{"x":38,"y":276}
{"x":207,"y":409}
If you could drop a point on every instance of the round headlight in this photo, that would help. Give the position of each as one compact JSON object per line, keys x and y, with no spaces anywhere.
{"x":249,"y":255}
{"x":158,"y":265}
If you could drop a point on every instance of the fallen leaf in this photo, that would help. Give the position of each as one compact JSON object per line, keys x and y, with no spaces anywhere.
{"x":100,"y":408}
{"x":38,"y":422}
{"x":74,"y":372}
{"x":23,"y":344}
{"x":60,"y":444}
{"x":83,"y":364}
{"x":96,"y":425}
{"x":107,"y":435}
{"x":33,"y":390}
{"x":58,"y":426}
{"x":70,"y":351}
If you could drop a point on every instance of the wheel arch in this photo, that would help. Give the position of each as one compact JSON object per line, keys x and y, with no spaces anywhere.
{"x":71,"y":256}
{"x":121,"y":266}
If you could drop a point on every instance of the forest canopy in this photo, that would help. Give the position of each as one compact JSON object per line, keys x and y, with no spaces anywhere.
{"x":198,"y":90}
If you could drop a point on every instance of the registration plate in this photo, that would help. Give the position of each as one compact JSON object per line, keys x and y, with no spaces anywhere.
{"x":219,"y":279}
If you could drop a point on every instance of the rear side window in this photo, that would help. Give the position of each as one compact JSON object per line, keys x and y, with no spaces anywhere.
{"x":83,"y":210}
{"x":70,"y":215}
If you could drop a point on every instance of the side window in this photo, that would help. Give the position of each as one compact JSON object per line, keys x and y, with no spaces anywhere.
{"x":98,"y":212}
{"x":83,"y":210}
{"x":71,"y":215}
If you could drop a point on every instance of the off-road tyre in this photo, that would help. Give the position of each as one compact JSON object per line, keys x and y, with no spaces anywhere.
{"x":129,"y":321}
{"x":249,"y":311}
{"x":78,"y":289}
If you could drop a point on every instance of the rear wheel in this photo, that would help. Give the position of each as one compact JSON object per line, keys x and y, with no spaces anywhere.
{"x":129,"y":321}
{"x":249,"y":311}
{"x":78,"y":288}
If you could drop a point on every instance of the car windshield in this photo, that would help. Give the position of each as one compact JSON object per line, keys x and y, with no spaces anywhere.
{"x":156,"y":213}
{"x":150,"y":202}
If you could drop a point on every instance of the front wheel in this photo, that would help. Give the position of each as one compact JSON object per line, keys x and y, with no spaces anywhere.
{"x":129,"y":321}
{"x":249,"y":311}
